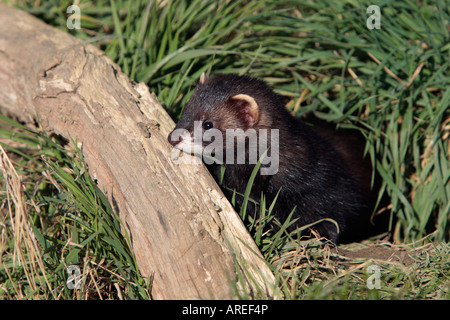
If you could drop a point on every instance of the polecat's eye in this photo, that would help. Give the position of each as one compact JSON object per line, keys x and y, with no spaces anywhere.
{"x":207,"y":125}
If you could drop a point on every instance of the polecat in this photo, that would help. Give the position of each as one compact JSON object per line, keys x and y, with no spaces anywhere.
{"x":313,"y":175}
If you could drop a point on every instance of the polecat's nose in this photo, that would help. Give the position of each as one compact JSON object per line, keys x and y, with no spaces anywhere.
{"x":174,"y":142}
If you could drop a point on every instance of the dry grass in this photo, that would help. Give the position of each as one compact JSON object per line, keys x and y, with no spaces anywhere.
{"x":27,"y":253}
{"x":44,"y":229}
{"x":313,"y":269}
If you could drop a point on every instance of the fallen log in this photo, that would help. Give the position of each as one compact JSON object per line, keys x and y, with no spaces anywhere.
{"x":183,"y":230}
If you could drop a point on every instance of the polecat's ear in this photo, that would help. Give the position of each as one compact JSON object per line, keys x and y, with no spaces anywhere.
{"x":247,"y":108}
{"x":203,"y":78}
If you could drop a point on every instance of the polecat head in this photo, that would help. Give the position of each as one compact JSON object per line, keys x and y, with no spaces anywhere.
{"x":225,"y":102}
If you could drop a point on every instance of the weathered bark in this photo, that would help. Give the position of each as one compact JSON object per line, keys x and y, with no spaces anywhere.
{"x":183,"y":230}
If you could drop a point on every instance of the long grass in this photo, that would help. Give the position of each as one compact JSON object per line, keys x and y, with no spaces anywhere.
{"x":391,"y":83}
{"x":53,"y":216}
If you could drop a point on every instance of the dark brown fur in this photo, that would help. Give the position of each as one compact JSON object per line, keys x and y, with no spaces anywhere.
{"x":320,"y":173}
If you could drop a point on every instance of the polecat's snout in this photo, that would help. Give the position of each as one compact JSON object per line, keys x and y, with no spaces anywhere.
{"x":182,"y":139}
{"x":174,"y":140}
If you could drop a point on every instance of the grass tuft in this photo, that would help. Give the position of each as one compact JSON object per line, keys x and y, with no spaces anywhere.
{"x":53,"y":216}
